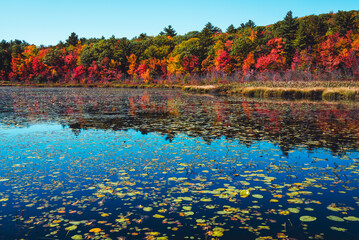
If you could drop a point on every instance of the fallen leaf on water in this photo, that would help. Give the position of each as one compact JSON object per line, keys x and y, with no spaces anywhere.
{"x":95,"y":230}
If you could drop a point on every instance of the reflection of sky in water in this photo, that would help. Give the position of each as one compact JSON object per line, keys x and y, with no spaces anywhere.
{"x":51,"y":141}
{"x":54,"y":142}
{"x":41,"y":136}
{"x":30,"y":129}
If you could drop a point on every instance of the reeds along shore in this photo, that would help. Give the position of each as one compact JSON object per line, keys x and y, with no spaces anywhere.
{"x":329,"y":91}
{"x":328,"y":94}
{"x":298,"y":93}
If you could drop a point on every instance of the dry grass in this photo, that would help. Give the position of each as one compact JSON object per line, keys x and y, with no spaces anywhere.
{"x":286,"y":93}
{"x":313,"y":90}
{"x":313,"y":93}
{"x":200,"y":89}
{"x":341,"y":94}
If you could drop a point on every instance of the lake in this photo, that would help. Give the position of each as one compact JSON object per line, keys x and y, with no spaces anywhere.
{"x":80,"y":163}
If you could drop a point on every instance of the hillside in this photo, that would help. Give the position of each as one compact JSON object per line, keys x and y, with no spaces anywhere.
{"x":315,"y":47}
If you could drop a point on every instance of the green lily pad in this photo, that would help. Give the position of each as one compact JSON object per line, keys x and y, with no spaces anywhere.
{"x":206,"y":200}
{"x":293,"y":210}
{"x":187,"y":208}
{"x":309,"y":209}
{"x":307,"y":218}
{"x":187,"y":198}
{"x":244,"y":193}
{"x":338,"y":229}
{"x":257,"y":196}
{"x":77,"y":237}
{"x":189,"y":213}
{"x":335,"y":218}
{"x":71,"y":228}
{"x":351,"y":218}
{"x":147,"y":209}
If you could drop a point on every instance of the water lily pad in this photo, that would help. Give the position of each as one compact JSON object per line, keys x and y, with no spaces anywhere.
{"x":351,"y":218}
{"x":257,"y":196}
{"x":307,"y":218}
{"x":189,"y":213}
{"x":244,"y":193}
{"x":77,"y":237}
{"x":217,"y":234}
{"x":293,"y":210}
{"x":295,"y":200}
{"x":75,"y":222}
{"x":284,"y":212}
{"x":206,"y":200}
{"x":147,"y":209}
{"x":71,"y":228}
{"x":121,"y":220}
{"x":187,"y":208}
{"x":187,"y":198}
{"x":338,"y":229}
{"x":309,"y":209}
{"x":333,"y":207}
{"x":335,"y":218}
{"x":222,"y":212}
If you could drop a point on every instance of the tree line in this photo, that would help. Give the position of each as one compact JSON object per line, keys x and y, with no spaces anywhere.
{"x":324,"y":43}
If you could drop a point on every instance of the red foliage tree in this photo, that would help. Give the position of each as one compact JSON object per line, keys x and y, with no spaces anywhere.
{"x":275,"y":60}
{"x":190,"y":64}
{"x":223,"y":62}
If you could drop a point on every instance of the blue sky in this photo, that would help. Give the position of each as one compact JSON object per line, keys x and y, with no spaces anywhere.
{"x":49,"y":21}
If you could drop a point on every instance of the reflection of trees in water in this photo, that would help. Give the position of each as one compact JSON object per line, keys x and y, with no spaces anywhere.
{"x":287,"y":124}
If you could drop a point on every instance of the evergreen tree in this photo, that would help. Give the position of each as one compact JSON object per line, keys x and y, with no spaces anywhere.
{"x":169,"y":31}
{"x":206,"y":40}
{"x":231,"y":29}
{"x":142,"y":36}
{"x":249,"y":24}
{"x":344,"y":22}
{"x":288,"y":27}
{"x":72,"y":40}
{"x":287,"y":30}
{"x":310,"y":32}
{"x":212,"y":28}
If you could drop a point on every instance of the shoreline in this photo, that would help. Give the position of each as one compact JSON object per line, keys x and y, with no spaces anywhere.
{"x":328,"y":91}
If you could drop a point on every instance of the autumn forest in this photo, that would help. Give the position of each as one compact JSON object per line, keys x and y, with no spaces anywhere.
{"x":324,"y":46}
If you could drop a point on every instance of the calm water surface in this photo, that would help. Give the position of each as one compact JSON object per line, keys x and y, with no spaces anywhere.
{"x":161,"y":164}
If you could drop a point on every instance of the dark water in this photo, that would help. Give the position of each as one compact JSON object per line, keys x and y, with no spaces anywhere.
{"x":160,"y":164}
